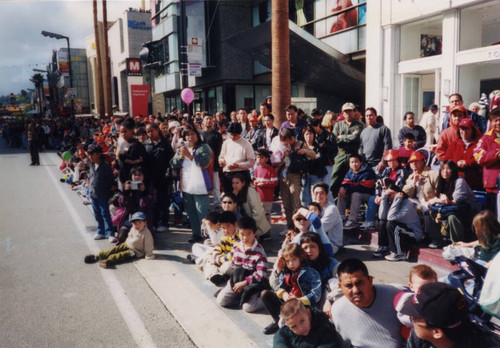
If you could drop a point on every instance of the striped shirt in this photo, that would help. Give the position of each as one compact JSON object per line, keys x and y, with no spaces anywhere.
{"x":223,"y":250}
{"x":253,"y":258}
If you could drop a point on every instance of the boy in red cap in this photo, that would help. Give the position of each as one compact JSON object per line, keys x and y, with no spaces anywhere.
{"x":457,"y":114}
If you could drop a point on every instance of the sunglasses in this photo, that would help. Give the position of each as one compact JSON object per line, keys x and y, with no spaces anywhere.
{"x":301,"y":219}
{"x":227,"y":202}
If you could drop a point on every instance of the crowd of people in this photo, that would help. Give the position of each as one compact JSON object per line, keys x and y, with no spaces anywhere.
{"x":330,"y":171}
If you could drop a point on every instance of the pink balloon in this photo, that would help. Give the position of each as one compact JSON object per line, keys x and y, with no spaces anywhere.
{"x":187,"y":95}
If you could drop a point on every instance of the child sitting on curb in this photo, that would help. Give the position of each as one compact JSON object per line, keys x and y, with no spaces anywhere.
{"x":139,"y":243}
{"x":249,"y":275}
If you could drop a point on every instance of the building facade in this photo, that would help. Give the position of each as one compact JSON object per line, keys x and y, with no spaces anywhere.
{"x":222,"y":51}
{"x":126,"y":36}
{"x":420,"y":52}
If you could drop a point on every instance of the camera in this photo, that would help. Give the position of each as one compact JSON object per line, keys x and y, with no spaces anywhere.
{"x":134,"y":185}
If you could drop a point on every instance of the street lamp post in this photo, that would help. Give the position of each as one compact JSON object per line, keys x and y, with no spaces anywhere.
{"x":58,"y":37}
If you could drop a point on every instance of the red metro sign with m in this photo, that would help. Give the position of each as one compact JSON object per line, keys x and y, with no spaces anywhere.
{"x":134,"y":67}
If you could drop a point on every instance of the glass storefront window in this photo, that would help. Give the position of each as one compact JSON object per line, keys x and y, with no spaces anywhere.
{"x":421,"y":39}
{"x":479,"y":25}
{"x":244,"y":97}
{"x":478,"y":78}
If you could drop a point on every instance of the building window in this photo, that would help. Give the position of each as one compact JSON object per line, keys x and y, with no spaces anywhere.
{"x":479,"y":26}
{"x":422,"y":38}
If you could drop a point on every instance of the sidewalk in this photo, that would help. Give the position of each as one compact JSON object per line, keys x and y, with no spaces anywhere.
{"x":189,"y":297}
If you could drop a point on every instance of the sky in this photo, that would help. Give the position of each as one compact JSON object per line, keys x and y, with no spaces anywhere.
{"x":23,"y":48}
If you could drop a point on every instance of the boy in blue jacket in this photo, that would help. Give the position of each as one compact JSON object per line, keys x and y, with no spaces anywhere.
{"x":357,"y":187}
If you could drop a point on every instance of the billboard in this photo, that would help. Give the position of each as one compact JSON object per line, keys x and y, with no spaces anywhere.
{"x":140,"y":99}
{"x":63,"y":61}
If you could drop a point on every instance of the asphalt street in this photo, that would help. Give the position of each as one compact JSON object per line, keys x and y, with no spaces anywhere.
{"x":48,"y":295}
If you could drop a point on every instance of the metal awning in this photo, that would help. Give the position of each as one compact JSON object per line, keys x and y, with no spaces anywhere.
{"x":313,"y":62}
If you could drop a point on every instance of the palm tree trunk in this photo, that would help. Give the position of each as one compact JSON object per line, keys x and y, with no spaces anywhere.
{"x":280,"y":51}
{"x":99,"y":84}
{"x":107,"y":65}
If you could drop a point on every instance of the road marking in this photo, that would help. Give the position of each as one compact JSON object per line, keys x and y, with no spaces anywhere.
{"x":125,"y":306}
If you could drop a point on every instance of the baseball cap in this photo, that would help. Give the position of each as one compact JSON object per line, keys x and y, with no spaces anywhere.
{"x":466,"y":123}
{"x":235,"y":128}
{"x":93,"y":149}
{"x":416,"y":156}
{"x":253,"y":118}
{"x":438,"y":304}
{"x":391,"y":154}
{"x":173,"y":124}
{"x":433,"y":107}
{"x":460,"y":108}
{"x":138,"y":216}
{"x":348,"y":106}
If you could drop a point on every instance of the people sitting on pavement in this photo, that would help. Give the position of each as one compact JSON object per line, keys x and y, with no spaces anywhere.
{"x":315,"y":164}
{"x":305,"y":221}
{"x":304,"y":328}
{"x":330,"y":216}
{"x":440,"y":319}
{"x":139,"y":243}
{"x":365,"y":315}
{"x":400,"y":224}
{"x":296,"y":280}
{"x":452,"y":206}
{"x":249,"y":275}
{"x":212,"y":232}
{"x":249,"y":204}
{"x":356,"y":188}
{"x":229,"y":202}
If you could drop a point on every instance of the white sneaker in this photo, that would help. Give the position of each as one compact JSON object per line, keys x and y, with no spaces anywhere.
{"x":112,"y":239}
{"x":396,"y":257}
{"x":350,"y":225}
{"x":99,"y":236}
{"x":161,"y":229}
{"x":368,"y":225}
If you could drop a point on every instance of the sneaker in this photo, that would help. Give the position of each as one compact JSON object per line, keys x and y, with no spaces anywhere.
{"x":350,"y":225}
{"x":368,"y":225}
{"x":99,"y":236}
{"x":264,"y":237}
{"x":381,"y":251}
{"x":271,"y":329}
{"x":103,"y":263}
{"x":396,"y":257}
{"x":435,"y":245}
{"x":87,"y":202}
{"x":219,"y":279}
{"x":90,"y":259}
{"x":112,"y":239}
{"x":161,"y":229}
{"x":191,"y":258}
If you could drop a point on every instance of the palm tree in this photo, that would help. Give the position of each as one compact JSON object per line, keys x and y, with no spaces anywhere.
{"x":280,"y":61}
{"x":37,"y":80}
{"x":100,"y":89}
{"x":107,"y":64}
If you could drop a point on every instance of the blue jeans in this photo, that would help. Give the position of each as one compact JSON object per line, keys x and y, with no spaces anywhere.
{"x":196,"y":207}
{"x":103,"y":217}
{"x":371,"y":209}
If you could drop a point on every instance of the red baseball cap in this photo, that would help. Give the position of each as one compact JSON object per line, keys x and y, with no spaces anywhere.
{"x":253,"y":118}
{"x":416,"y":156}
{"x":460,"y":108}
{"x":391,"y":154}
{"x":466,"y":123}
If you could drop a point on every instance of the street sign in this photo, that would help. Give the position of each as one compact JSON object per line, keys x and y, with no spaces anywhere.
{"x":71,"y":93}
{"x":134,"y":67}
{"x":195,"y":69}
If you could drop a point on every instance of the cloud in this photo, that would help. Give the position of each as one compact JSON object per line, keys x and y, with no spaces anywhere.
{"x":23,"y":46}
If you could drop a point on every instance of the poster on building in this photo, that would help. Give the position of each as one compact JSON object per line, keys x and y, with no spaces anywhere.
{"x":140,"y":99}
{"x":62,"y":61}
{"x":46,"y":90}
{"x":430,"y":45}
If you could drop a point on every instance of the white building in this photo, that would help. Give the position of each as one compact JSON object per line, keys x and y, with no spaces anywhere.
{"x":125,"y":37}
{"x":418,"y":52}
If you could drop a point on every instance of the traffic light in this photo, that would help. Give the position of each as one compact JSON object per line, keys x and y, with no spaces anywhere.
{"x":12,"y":98}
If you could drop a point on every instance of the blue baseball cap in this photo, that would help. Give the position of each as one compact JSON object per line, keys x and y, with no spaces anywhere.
{"x":138,"y":216}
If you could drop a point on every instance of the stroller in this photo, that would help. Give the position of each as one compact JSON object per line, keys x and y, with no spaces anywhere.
{"x":469,"y":280}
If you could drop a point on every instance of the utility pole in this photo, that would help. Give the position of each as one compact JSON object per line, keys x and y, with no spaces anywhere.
{"x":107,"y":65}
{"x":99,"y":84}
{"x":280,"y":51}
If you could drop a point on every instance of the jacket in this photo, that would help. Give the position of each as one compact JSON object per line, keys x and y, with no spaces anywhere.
{"x":485,"y":156}
{"x":159,"y":156}
{"x":253,"y":207}
{"x":267,"y":176}
{"x":472,"y":172}
{"x":401,"y":176}
{"x":101,"y":181}
{"x":141,"y":243}
{"x":363,"y":181}
{"x":309,"y":282}
{"x":348,"y":137}
{"x":260,"y":142}
{"x":203,"y":157}
{"x":444,"y":141}
{"x":428,"y":183}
